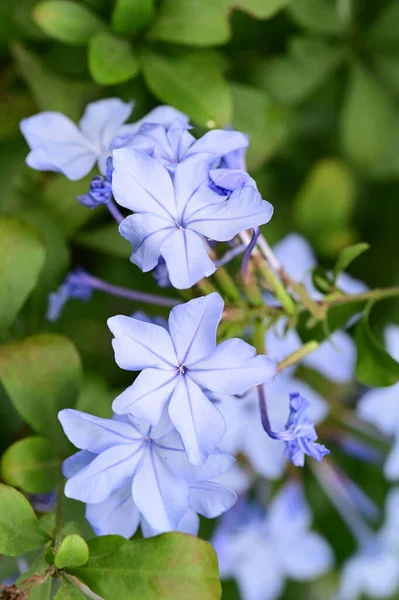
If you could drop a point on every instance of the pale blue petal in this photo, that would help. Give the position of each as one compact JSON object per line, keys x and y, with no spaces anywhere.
{"x":186,"y":258}
{"x":231,"y":179}
{"x":279,"y":342}
{"x":218,"y":142}
{"x":170,"y":450}
{"x":191,"y":181}
{"x":289,"y":515}
{"x":389,"y":533}
{"x":146,"y":233}
{"x":200,"y":424}
{"x":391,"y":467}
{"x":350,"y":285}
{"x":296,"y":256}
{"x":233,"y":368}
{"x":179,"y":139}
{"x":102,"y":121}
{"x":138,"y":345}
{"x":237,"y":478}
{"x":222,"y":221}
{"x":306,"y":557}
{"x":161,"y":115}
{"x":193,"y":326}
{"x":142,"y":184}
{"x":259,"y":575}
{"x":115,"y":516}
{"x":73,"y":464}
{"x":57,"y":145}
{"x":375,"y":575}
{"x":335,"y":358}
{"x":94,"y":433}
{"x":146,"y":398}
{"x":161,"y":497}
{"x":106,"y":473}
{"x":188,"y":524}
{"x":265,"y":455}
{"x":210,"y":499}
{"x":392,"y":340}
{"x":380,"y":407}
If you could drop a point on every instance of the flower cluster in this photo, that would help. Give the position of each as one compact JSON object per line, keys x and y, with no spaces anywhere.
{"x":167,"y":454}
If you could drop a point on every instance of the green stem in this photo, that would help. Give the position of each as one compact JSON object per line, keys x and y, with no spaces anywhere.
{"x":377,"y":294}
{"x":206,"y":286}
{"x":228,"y":285}
{"x":259,"y":337}
{"x":298,"y":355}
{"x":276,"y":285}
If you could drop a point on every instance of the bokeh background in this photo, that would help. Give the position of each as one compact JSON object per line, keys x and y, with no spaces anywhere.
{"x":315,"y":84}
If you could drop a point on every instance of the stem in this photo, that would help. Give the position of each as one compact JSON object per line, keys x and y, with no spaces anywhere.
{"x":298,"y":355}
{"x":227,"y":284}
{"x":377,"y":294}
{"x":115,"y":212}
{"x":59,"y":514}
{"x":114,"y":290}
{"x":248,"y":252}
{"x":206,"y":286}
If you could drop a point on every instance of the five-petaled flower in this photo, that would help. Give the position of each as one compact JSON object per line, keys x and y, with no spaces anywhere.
{"x":178,"y":365}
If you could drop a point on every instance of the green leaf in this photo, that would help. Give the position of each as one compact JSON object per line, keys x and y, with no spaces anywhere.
{"x":129,"y":16}
{"x":191,"y":81}
{"x":172,"y":566}
{"x":73,"y":552}
{"x":384,"y":33}
{"x":105,"y":239}
{"x":257,"y":115}
{"x":105,"y":544}
{"x":49,"y":91}
{"x":30,"y":464}
{"x":67,"y":21}
{"x":374,"y":367}
{"x":111,"y":60}
{"x":19,"y":528}
{"x":205,"y":22}
{"x":22,"y":256}
{"x":388,"y":165}
{"x":68,"y":591}
{"x":40,"y":592}
{"x":325,"y":204}
{"x":318,"y":16}
{"x":364,"y":139}
{"x":322,"y":280}
{"x":348,"y":255}
{"x":292,"y":78}
{"x":96,"y":397}
{"x":41,"y":374}
{"x":388,"y":67}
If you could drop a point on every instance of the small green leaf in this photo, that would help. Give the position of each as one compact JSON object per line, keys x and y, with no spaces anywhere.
{"x":348,"y":255}
{"x":374,"y":367}
{"x":41,"y":374}
{"x":22,"y":256}
{"x":111,"y":60}
{"x":319,"y":16}
{"x":129,"y":16}
{"x":171,"y":566}
{"x":325,"y":204}
{"x":191,"y":81}
{"x":67,"y":21}
{"x":384,"y":33}
{"x":292,"y":78}
{"x":30,"y":464}
{"x":364,"y":139}
{"x":68,"y":591}
{"x":19,"y":528}
{"x":257,"y":115}
{"x":322,"y":280}
{"x":73,"y":552}
{"x":105,"y":239}
{"x":105,"y":544}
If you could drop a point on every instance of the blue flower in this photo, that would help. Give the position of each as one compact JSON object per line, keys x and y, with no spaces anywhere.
{"x":57,"y":144}
{"x":74,"y":286}
{"x":381,"y":407}
{"x":100,"y":191}
{"x":174,"y":217}
{"x":129,"y":472}
{"x":177,"y":366}
{"x":245,"y":434}
{"x":261,"y":550}
{"x":171,"y":144}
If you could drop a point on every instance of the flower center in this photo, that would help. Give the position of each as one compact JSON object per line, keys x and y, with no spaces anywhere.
{"x":182,"y":369}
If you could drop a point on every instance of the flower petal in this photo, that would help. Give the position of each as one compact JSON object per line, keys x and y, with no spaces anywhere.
{"x":57,"y":145}
{"x":211,"y":499}
{"x":334,"y":358}
{"x":218,"y":142}
{"x":94,"y":433}
{"x":186,"y":258}
{"x":188,"y":524}
{"x":193,"y":326}
{"x":381,"y":408}
{"x":142,"y":184}
{"x":103,"y":119}
{"x":200,"y":424}
{"x":223,"y":220}
{"x":305,"y":557}
{"x":233,"y":368}
{"x":73,"y":464}
{"x":117,"y":515}
{"x":161,"y":115}
{"x":106,"y":473}
{"x":138,"y":345}
{"x":145,"y":232}
{"x":146,"y":398}
{"x":295,"y":255}
{"x":161,"y":497}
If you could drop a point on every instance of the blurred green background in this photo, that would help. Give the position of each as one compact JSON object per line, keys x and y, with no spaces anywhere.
{"x":315,"y":83}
